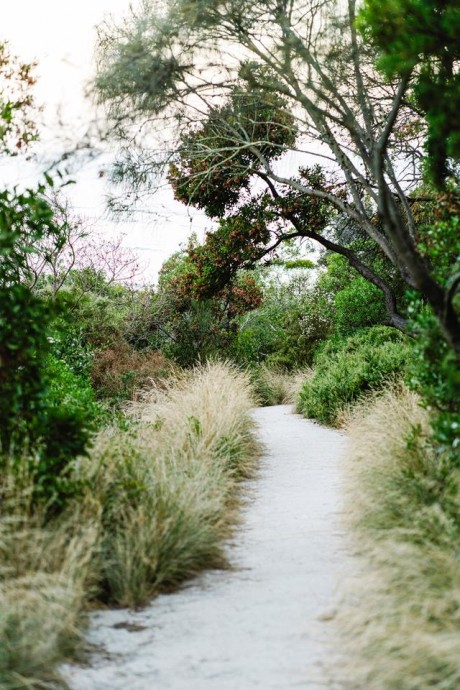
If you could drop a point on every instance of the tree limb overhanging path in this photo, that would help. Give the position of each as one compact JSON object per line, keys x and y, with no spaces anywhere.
{"x":263,"y":624}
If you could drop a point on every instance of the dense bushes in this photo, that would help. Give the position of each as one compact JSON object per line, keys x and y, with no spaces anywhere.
{"x":105,"y":334}
{"x":302,"y":310}
{"x":346,"y":368}
{"x":72,"y":416}
{"x":358,"y":305}
{"x":194,"y":324}
{"x":45,"y":409}
{"x":24,"y":317}
{"x":285,"y":330}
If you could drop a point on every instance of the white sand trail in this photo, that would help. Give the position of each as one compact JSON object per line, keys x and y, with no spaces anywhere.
{"x":263,"y":624}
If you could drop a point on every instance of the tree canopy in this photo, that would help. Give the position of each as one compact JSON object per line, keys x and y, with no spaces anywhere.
{"x":422,"y":38}
{"x":183,"y":66}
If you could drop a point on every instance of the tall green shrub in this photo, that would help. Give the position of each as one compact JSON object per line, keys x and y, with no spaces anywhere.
{"x":346,"y":368}
{"x":32,"y":415}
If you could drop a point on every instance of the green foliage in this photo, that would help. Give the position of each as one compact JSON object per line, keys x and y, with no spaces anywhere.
{"x":346,"y":368}
{"x":435,"y":374}
{"x":69,"y":416}
{"x":295,"y":316}
{"x":435,"y":371}
{"x":423,"y":34}
{"x":439,"y":235}
{"x":17,"y":109}
{"x":260,"y":334}
{"x":358,"y":305}
{"x":287,"y":327}
{"x":45,"y":407}
{"x":68,"y":344}
{"x":353,"y":301}
{"x":209,"y":172}
{"x":107,"y":333}
{"x":100,"y":314}
{"x":299,"y":263}
{"x":190,"y":328}
{"x":24,"y":317}
{"x":70,"y":391}
{"x":23,"y":321}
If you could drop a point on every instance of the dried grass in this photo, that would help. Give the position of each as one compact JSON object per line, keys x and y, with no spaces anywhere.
{"x":402,"y":629}
{"x":45,"y":576}
{"x":278,"y":387}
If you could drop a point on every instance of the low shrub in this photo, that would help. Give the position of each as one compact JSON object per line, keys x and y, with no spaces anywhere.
{"x":65,"y":422}
{"x":120,"y":370}
{"x":72,"y":417}
{"x":435,"y":374}
{"x":358,"y":305}
{"x":404,"y":501}
{"x":345,"y":369}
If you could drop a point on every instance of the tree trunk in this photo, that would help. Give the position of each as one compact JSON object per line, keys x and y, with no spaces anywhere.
{"x":439,"y":298}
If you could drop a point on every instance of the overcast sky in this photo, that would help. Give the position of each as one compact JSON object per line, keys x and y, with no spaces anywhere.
{"x":60,"y":35}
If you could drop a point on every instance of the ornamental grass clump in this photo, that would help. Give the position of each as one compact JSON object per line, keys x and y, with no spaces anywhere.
{"x":45,"y":578}
{"x":167,"y":486}
{"x":276,"y":386}
{"x":403,"y":631}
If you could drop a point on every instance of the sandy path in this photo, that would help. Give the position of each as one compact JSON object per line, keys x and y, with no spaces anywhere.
{"x":263,"y":624}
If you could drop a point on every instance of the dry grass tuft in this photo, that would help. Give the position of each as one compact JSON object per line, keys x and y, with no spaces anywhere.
{"x":278,"y":387}
{"x":45,"y":575}
{"x":402,"y":631}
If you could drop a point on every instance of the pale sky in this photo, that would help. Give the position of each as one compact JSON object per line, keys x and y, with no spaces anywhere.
{"x":60,"y":35}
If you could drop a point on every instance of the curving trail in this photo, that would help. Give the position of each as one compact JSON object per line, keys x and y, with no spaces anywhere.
{"x":266,"y":623}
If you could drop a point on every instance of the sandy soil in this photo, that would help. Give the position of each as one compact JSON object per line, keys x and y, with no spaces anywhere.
{"x":264,"y":624}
